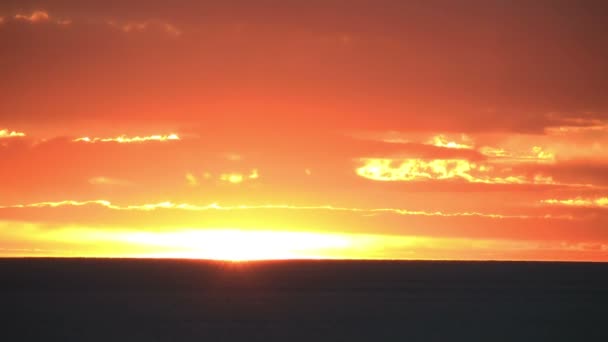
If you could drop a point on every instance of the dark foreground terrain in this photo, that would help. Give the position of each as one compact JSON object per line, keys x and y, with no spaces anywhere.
{"x":181,"y":300}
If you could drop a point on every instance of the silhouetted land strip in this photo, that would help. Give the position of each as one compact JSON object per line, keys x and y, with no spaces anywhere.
{"x":192,"y":300}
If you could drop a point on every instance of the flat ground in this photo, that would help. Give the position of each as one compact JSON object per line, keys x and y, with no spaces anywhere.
{"x":182,"y":300}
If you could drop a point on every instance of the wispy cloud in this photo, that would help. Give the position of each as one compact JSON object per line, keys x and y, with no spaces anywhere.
{"x":123,"y":139}
{"x":108,"y":181}
{"x":536,"y":154}
{"x":234,"y":157}
{"x":570,"y":139}
{"x":569,"y":125}
{"x":171,"y":29}
{"x":127,"y":26}
{"x":217,"y":207}
{"x":442,"y":141}
{"x":601,"y":202}
{"x":63,"y":22}
{"x":143,"y":26}
{"x":41,"y":16}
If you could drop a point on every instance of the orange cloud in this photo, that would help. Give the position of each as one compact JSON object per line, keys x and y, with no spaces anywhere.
{"x":580,"y":139}
{"x":191,"y":179}
{"x":461,"y":141}
{"x":171,"y":29}
{"x":35,"y":17}
{"x":124,"y":26}
{"x":535,"y":154}
{"x":142,"y":26}
{"x":236,"y":178}
{"x":572,"y":125}
{"x":441,"y":141}
{"x":230,"y":177}
{"x":40,"y":16}
{"x":387,"y":169}
{"x":63,"y":22}
{"x":123,"y":139}
{"x":5,"y":133}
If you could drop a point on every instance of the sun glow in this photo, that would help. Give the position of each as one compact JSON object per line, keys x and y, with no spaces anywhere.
{"x":238,"y":245}
{"x":216,"y":244}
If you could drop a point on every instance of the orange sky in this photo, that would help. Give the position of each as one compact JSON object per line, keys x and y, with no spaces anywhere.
{"x":304,"y":129}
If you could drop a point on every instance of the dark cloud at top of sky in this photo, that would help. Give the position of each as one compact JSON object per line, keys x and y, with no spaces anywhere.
{"x":441,"y":65}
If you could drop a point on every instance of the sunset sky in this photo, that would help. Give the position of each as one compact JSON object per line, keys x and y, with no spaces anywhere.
{"x":304,"y":129}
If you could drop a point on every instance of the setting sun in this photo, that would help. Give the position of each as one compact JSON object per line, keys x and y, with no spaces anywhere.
{"x":239,"y":245}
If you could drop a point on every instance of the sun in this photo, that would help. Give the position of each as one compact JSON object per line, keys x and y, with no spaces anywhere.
{"x":239,"y":245}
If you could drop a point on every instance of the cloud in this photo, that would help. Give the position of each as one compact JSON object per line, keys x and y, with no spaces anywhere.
{"x":130,"y":26}
{"x":5,"y":133}
{"x":64,"y":22}
{"x":40,"y":16}
{"x":465,"y":146}
{"x":234,"y":178}
{"x":571,"y":124}
{"x":172,"y":30}
{"x":535,"y":154}
{"x":568,"y":157}
{"x":35,"y":17}
{"x":108,"y":181}
{"x":237,"y":178}
{"x":591,"y":173}
{"x":127,"y":26}
{"x":582,"y":138}
{"x":441,"y":141}
{"x":143,"y":26}
{"x":123,"y":139}
{"x":217,"y":207}
{"x":234,"y":157}
{"x":601,"y":202}
{"x":230,"y":177}
{"x":386,"y":169}
{"x":191,"y":179}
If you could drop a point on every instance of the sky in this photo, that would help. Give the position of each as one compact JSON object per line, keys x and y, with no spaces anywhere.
{"x":243,"y":130}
